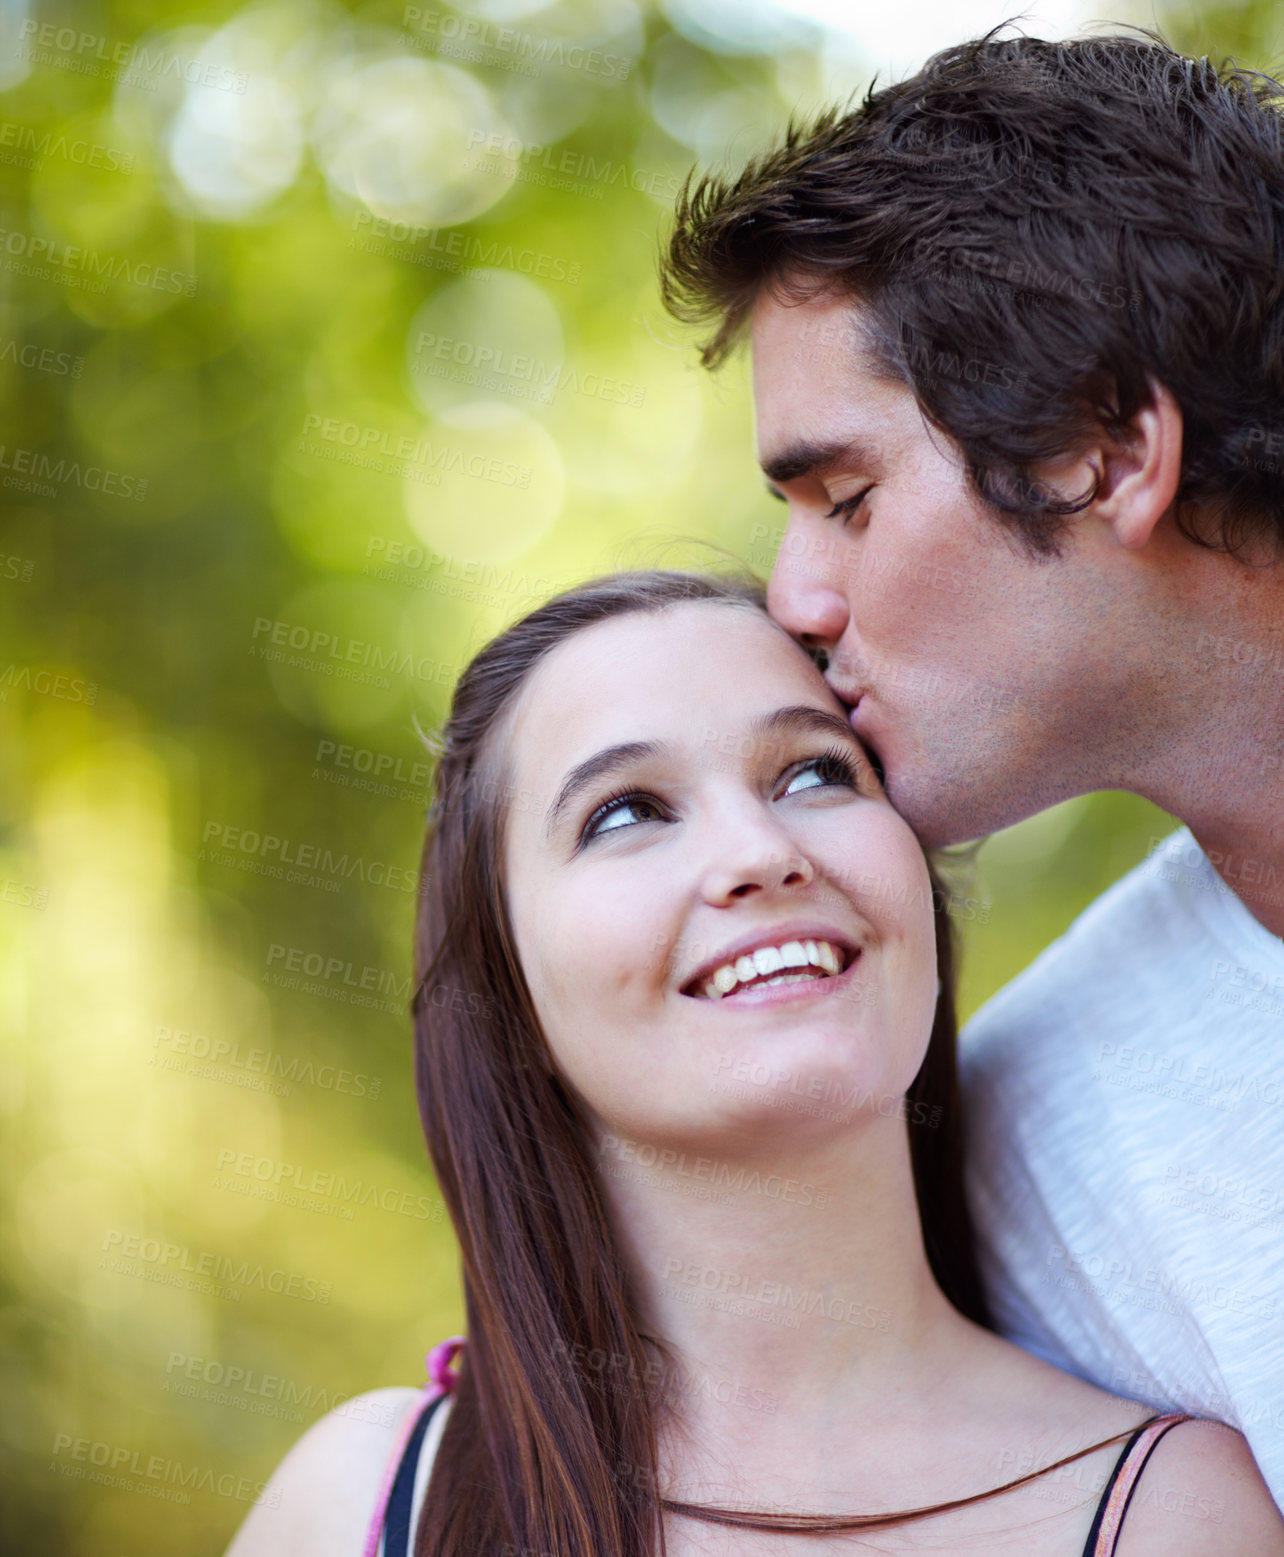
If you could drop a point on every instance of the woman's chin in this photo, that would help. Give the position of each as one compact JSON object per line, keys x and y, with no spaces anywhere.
{"x":798,"y":1093}
{"x":815,"y":1061}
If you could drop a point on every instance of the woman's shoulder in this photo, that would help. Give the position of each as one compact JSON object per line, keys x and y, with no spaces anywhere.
{"x":320,"y":1498}
{"x":1201,"y":1495}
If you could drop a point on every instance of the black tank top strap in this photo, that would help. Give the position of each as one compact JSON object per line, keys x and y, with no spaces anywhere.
{"x":396,"y":1530}
{"x":1122,"y":1482}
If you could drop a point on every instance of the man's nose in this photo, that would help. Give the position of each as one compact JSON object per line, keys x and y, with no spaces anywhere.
{"x":805,"y":593}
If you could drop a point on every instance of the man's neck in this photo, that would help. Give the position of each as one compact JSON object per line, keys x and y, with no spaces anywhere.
{"x":1250,"y":860}
{"x":1218,"y":762}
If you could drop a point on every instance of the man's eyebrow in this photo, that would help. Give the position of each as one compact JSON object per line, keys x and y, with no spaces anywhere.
{"x":599,"y":766}
{"x":809,"y":457}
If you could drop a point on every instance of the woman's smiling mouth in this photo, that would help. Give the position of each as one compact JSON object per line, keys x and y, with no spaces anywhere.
{"x":791,"y":959}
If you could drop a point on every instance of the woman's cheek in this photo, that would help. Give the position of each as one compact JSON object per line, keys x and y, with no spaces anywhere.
{"x":889,"y":871}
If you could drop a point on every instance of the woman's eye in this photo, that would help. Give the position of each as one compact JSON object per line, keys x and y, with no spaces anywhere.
{"x":624,"y":811}
{"x":820,"y":773}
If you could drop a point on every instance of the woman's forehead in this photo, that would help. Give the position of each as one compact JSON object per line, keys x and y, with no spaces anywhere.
{"x":658,"y":675}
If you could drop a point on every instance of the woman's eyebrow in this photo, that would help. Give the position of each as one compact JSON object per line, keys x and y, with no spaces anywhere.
{"x":800,"y":717}
{"x":795,"y":718}
{"x":599,"y":766}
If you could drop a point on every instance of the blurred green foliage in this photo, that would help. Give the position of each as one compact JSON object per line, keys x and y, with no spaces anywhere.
{"x":257,"y":514}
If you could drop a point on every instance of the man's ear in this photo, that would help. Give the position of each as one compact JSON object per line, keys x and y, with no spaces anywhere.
{"x":1136,"y":470}
{"x":1141,"y":472}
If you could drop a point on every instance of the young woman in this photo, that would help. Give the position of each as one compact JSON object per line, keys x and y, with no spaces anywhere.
{"x":690,"y":1098}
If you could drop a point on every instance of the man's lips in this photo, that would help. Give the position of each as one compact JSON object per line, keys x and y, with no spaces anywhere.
{"x":848,"y":692}
{"x":857,"y":703}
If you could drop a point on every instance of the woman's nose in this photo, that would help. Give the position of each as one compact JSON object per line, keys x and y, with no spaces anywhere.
{"x":750,"y":855}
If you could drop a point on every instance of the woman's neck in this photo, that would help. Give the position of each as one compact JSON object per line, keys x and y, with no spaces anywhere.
{"x":790,"y":1283}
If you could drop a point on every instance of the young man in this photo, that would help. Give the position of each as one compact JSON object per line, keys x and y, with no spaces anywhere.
{"x":1018,"y":339}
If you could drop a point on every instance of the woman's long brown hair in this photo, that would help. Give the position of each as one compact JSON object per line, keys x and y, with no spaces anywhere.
{"x":547,"y":1451}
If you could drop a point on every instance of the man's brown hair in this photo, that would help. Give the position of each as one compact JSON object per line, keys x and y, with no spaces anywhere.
{"x":1035,"y":231}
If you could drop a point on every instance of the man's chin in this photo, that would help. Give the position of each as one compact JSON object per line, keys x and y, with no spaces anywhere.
{"x":933,"y":820}
{"x":942,"y":812}
{"x":936,"y":811}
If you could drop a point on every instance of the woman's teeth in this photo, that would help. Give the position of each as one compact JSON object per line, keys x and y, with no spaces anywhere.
{"x":775,"y":965}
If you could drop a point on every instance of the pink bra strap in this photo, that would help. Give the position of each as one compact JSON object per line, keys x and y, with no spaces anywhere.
{"x":1125,"y":1481}
{"x":442,"y":1379}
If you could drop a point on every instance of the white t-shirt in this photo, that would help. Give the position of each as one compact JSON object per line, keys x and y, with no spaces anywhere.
{"x":1125,"y":1114}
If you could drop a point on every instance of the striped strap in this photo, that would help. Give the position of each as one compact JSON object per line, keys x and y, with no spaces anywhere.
{"x":396,"y":1530}
{"x":1123,"y":1483}
{"x":441,"y":1381}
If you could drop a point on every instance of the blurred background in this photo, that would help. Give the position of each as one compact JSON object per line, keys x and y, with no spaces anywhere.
{"x":329,"y":341}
